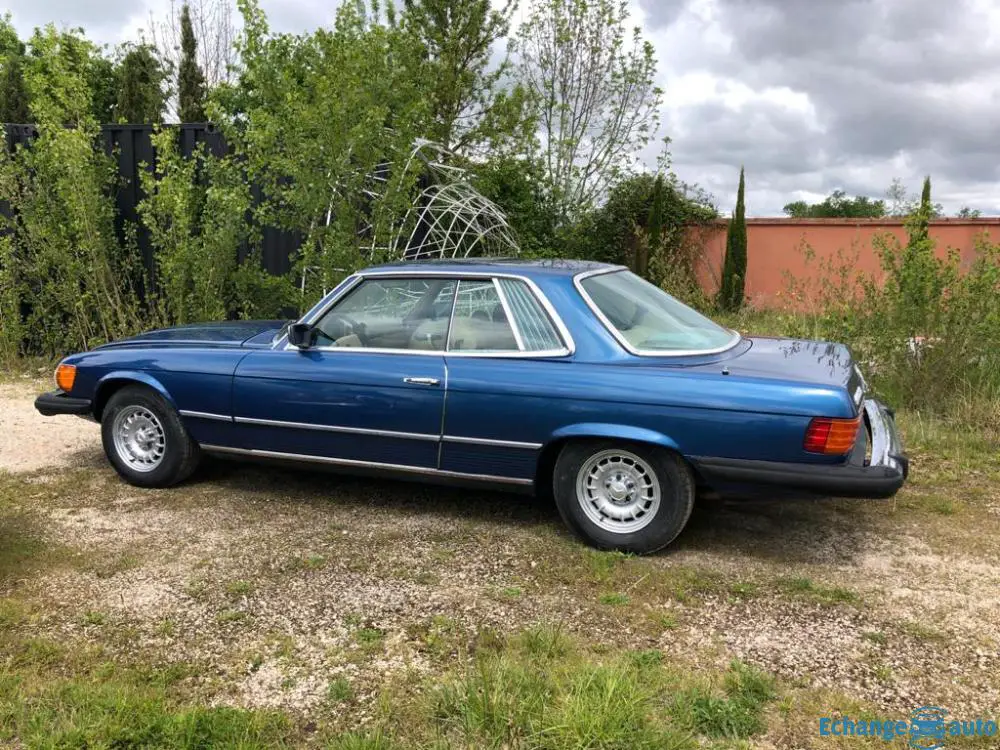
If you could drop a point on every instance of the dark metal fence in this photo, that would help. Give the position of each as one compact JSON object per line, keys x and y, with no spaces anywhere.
{"x":131,"y":146}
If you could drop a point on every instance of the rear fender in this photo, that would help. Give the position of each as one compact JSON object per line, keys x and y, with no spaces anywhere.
{"x":615,"y":432}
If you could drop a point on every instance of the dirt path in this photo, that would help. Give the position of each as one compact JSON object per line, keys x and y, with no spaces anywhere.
{"x":29,"y":441}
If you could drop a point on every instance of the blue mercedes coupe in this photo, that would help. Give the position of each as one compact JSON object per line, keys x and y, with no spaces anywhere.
{"x":572,"y":377}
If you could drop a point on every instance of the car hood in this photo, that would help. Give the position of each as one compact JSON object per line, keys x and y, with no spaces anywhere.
{"x":817,"y":362}
{"x":233,"y":333}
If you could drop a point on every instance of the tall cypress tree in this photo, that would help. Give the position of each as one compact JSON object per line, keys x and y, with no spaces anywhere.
{"x":734,"y":269}
{"x":190,"y":78}
{"x":654,"y":229}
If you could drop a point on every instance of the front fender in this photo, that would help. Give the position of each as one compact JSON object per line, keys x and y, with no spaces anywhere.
{"x":117,"y":378}
{"x":614,"y":431}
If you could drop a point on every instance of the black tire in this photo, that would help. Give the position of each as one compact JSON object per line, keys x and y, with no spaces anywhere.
{"x":677,"y":493}
{"x":180,"y":454}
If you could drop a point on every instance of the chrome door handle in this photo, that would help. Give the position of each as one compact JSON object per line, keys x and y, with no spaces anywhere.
{"x":422,"y":381}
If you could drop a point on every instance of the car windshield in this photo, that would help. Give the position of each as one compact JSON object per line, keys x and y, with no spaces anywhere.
{"x":650,"y":320}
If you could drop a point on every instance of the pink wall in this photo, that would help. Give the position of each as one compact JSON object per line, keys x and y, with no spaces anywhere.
{"x":777,"y":247}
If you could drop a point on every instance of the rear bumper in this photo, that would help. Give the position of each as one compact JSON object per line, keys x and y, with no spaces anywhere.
{"x":880,"y":477}
{"x":57,"y":402}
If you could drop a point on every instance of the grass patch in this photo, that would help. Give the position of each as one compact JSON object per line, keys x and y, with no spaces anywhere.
{"x":239,"y":588}
{"x":125,"y":712}
{"x":806,"y":588}
{"x":614,"y":599}
{"x":541,"y":690}
{"x":736,"y":713}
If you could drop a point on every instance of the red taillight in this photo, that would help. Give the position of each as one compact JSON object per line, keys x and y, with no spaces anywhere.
{"x":831,"y":436}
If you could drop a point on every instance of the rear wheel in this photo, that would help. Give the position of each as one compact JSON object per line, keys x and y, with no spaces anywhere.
{"x":625,"y":496}
{"x":145,"y":440}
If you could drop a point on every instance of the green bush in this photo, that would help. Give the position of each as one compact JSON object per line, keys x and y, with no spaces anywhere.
{"x":926,"y":329}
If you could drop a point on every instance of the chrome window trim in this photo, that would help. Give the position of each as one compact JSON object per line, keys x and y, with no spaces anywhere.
{"x":365,"y":464}
{"x":569,"y":345}
{"x":510,"y":318}
{"x":622,"y":341}
{"x":337,"y":428}
{"x":204,"y":415}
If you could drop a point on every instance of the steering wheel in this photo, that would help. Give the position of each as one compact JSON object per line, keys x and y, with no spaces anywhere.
{"x":357,"y":327}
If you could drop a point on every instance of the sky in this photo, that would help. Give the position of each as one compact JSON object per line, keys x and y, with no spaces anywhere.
{"x":810,"y":96}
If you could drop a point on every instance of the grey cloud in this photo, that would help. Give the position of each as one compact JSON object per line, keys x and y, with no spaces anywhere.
{"x":101,"y":20}
{"x":910,"y":80}
{"x":660,"y":13}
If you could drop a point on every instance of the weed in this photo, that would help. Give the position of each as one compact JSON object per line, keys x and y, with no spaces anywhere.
{"x":339,"y":690}
{"x":615,"y":599}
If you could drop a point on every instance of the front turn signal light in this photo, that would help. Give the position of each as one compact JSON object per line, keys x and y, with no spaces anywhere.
{"x":833,"y":437}
{"x":65,"y":376}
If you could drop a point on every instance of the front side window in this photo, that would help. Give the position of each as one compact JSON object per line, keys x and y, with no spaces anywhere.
{"x":391,"y":313}
{"x":469,"y":315}
{"x":651,"y":321}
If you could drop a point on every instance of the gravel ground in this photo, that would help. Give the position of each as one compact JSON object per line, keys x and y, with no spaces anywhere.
{"x":29,"y":442}
{"x":278,"y":583}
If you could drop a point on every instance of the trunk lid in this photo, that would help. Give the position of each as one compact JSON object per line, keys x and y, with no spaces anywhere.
{"x":800,"y":361}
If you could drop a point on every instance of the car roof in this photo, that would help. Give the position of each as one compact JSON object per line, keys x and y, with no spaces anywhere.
{"x":546,"y":266}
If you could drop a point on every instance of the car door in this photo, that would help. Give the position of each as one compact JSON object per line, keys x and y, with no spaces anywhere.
{"x":371,"y":389}
{"x":505,"y":356}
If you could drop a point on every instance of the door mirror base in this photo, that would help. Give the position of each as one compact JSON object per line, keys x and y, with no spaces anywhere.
{"x":301,"y":335}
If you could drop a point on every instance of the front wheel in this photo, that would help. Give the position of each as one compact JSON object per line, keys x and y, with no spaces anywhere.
{"x":625,"y":496}
{"x":145,"y":440}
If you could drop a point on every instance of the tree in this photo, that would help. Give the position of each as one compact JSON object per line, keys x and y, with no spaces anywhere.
{"x":473,"y":109}
{"x":968,"y":213}
{"x":190,"y":79}
{"x":920,"y":229}
{"x":316,"y":118}
{"x":837,"y":206}
{"x":654,"y":229}
{"x":902,"y":204}
{"x":734,"y":269}
{"x":13,"y":95}
{"x":593,"y":91}
{"x":213,"y":27}
{"x":142,"y":90}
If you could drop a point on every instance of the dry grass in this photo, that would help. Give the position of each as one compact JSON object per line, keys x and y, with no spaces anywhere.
{"x":267,"y":606}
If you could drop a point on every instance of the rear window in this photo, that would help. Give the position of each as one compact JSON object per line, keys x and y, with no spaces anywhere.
{"x":648,"y":320}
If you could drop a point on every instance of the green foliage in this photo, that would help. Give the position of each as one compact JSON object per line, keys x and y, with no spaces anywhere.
{"x":734,"y":269}
{"x":13,"y":94}
{"x":592,"y":86}
{"x":62,"y":261}
{"x":196,"y":211}
{"x":473,"y":110}
{"x":317,"y":117}
{"x":142,"y":78}
{"x":925,"y":329}
{"x":837,"y":206}
{"x":516,"y":185}
{"x":190,"y":78}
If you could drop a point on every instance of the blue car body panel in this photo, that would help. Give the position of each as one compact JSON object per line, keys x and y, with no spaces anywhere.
{"x":238,"y":386}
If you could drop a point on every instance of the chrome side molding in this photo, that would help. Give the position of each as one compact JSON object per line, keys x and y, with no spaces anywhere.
{"x":349,"y":462}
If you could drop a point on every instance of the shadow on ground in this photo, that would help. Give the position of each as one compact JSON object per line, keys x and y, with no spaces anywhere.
{"x":804,"y":531}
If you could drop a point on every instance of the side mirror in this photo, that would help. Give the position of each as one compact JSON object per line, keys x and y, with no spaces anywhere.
{"x":301,"y":335}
